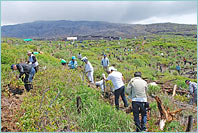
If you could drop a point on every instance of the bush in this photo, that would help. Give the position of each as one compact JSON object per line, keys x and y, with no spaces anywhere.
{"x":153,"y":89}
{"x":174,"y":126}
{"x":183,"y":98}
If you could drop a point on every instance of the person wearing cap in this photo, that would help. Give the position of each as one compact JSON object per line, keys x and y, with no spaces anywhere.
{"x":88,"y":69}
{"x":105,"y":62}
{"x":118,"y":83}
{"x":73,"y":63}
{"x":193,"y":91}
{"x":29,"y":72}
{"x":32,"y":60}
{"x":136,"y":90}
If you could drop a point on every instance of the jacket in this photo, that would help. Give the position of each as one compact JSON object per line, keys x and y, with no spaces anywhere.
{"x":73,"y":64}
{"x":137,"y":88}
{"x":105,"y":62}
{"x":24,"y":69}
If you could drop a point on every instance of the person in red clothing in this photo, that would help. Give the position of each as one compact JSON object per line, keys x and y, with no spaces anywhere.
{"x":185,"y":61}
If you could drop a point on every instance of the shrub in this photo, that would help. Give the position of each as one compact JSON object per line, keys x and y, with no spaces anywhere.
{"x":153,"y":89}
{"x":183,"y":98}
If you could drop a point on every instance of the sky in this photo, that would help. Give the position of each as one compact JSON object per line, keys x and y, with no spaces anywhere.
{"x":133,"y":12}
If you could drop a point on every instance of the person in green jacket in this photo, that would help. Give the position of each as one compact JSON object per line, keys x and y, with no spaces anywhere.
{"x":137,"y":92}
{"x":63,"y":62}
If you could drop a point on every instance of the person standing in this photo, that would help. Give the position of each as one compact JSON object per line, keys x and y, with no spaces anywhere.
{"x":105,"y":62}
{"x":178,"y":68}
{"x":119,"y":87}
{"x":32,"y":60}
{"x":79,"y":56}
{"x":185,"y":61}
{"x":137,"y":92}
{"x":29,"y":72}
{"x":88,"y":69}
{"x":193,"y":91}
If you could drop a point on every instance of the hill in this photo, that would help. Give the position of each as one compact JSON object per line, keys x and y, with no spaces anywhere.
{"x":51,"y":106}
{"x":65,"y":28}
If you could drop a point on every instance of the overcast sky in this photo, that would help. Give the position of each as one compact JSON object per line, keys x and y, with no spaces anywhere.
{"x":118,"y":12}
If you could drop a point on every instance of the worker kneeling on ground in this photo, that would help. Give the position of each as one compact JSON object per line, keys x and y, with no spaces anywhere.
{"x":73,"y":63}
{"x":88,"y":69}
{"x":119,"y":88}
{"x":137,"y":92}
{"x":193,"y":91}
{"x":63,"y":62}
{"x":29,"y":72}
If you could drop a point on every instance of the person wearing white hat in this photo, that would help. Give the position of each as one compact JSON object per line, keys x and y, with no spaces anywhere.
{"x":32,"y":60}
{"x":119,"y":87}
{"x":88,"y":69}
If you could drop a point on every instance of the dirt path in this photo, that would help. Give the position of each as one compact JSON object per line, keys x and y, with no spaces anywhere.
{"x":10,"y":106}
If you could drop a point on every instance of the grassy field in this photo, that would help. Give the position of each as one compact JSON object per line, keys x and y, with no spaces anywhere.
{"x":51,"y":105}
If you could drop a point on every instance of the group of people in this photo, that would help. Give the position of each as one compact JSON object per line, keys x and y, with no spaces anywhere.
{"x":89,"y":70}
{"x":136,"y":88}
{"x":29,"y":69}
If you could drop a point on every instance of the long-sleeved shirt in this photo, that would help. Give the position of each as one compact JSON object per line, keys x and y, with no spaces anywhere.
{"x":79,"y":56}
{"x":72,"y":64}
{"x":105,"y":62}
{"x":137,"y":89}
{"x":193,"y":87}
{"x":24,"y":69}
{"x":32,"y":59}
{"x":88,"y":67}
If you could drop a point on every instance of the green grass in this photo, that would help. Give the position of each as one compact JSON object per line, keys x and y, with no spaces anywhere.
{"x":96,"y":114}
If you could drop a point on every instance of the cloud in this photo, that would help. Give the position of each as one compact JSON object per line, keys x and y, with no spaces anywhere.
{"x":118,"y":11}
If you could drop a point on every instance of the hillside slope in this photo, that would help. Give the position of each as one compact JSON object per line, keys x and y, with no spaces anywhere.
{"x":64,"y":28}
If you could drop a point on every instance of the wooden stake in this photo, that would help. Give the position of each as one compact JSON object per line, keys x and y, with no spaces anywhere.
{"x":79,"y":104}
{"x":190,"y":123}
{"x":174,"y":90}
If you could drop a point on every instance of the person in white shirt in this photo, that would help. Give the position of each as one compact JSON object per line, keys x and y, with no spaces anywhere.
{"x":79,"y":56}
{"x":119,"y":87}
{"x":88,"y":69}
{"x":105,"y":62}
{"x":32,"y":60}
{"x":101,"y":84}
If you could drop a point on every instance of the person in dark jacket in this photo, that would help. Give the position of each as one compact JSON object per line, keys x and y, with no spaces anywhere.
{"x":32,"y":60}
{"x":29,"y":72}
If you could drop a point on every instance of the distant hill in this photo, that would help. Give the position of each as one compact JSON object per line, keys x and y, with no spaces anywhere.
{"x":65,"y":28}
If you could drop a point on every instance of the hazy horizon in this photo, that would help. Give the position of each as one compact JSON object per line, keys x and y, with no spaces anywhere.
{"x":92,"y":21}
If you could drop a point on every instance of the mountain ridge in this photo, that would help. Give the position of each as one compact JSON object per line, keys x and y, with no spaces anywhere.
{"x":65,"y":28}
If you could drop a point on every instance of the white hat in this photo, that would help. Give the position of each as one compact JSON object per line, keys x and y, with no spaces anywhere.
{"x":112,"y":69}
{"x":29,"y":52}
{"x":84,"y":58}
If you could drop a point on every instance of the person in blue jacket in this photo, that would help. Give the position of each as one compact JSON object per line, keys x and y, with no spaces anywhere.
{"x":178,"y":68}
{"x":73,"y":63}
